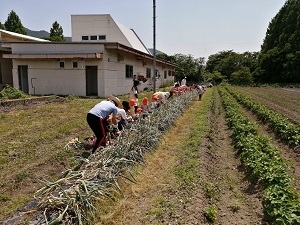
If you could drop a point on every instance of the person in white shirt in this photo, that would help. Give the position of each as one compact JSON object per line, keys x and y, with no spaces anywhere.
{"x":183,"y":81}
{"x":97,"y":120}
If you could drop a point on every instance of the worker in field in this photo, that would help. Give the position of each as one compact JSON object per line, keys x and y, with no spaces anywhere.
{"x":97,"y":118}
{"x":174,"y":90}
{"x":159,"y":98}
{"x":200,"y":89}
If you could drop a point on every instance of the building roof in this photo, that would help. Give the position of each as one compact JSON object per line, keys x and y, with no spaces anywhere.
{"x":133,"y":38}
{"x":12,"y":36}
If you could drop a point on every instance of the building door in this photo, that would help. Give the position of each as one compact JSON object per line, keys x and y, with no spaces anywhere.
{"x":23,"y":78}
{"x":91,"y":80}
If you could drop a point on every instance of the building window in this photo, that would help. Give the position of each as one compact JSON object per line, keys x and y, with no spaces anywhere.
{"x":102,"y":37}
{"x":129,"y":71}
{"x":94,"y":37}
{"x":61,"y":64}
{"x":170,"y":73}
{"x":173,"y":73}
{"x":165,"y":74}
{"x":75,"y":64}
{"x":85,"y":38}
{"x":148,"y":72}
{"x":0,"y":74}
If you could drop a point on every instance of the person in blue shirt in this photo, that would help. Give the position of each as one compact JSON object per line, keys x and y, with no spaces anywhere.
{"x":97,"y":120}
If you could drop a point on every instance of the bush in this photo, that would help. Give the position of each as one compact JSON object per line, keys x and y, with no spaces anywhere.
{"x":11,"y":93}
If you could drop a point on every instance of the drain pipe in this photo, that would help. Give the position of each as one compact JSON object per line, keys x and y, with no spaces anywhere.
{"x":32,"y":85}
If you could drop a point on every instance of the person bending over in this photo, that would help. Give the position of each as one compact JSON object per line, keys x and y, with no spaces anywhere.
{"x":97,"y":120}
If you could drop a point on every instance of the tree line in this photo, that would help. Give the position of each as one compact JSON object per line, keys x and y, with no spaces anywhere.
{"x":277,"y":62}
{"x":13,"y":23}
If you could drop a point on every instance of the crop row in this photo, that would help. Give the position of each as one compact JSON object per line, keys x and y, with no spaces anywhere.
{"x":264,"y":165}
{"x":285,"y":130}
{"x":71,"y":199}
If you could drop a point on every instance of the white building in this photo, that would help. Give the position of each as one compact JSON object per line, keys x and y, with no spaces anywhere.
{"x":101,"y":60}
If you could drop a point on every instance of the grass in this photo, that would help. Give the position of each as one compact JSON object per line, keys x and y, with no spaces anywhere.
{"x":32,"y":140}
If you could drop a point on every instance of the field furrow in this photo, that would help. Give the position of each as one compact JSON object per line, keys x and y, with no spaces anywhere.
{"x":281,"y":100}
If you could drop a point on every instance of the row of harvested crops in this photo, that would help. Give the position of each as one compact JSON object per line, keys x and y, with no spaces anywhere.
{"x":72,"y":198}
{"x":286,"y":130}
{"x":264,"y":165}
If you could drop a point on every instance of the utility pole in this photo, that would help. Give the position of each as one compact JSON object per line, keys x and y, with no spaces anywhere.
{"x":154,"y":47}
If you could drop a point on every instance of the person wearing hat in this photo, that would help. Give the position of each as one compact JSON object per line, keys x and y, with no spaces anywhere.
{"x":145,"y":107}
{"x":97,"y":119}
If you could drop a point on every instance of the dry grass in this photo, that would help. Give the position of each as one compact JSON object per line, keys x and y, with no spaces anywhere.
{"x":32,"y":140}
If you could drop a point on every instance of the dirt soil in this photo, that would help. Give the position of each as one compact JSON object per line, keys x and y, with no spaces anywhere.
{"x":284,"y":101}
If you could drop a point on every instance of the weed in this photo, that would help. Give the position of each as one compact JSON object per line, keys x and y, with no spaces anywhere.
{"x":235,"y":205}
{"x":209,"y":190}
{"x":4,"y":198}
{"x":231,"y":182}
{"x":210,"y":213}
{"x":21,"y":176}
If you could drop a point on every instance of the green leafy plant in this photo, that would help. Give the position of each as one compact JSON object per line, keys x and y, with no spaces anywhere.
{"x":210,"y":213}
{"x":264,"y":164}
{"x":9,"y":92}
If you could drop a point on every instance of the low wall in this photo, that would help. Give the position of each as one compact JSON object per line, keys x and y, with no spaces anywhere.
{"x":25,"y":101}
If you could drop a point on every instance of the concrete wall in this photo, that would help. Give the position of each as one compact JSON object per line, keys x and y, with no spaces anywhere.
{"x":96,"y":25}
{"x":46,"y":77}
{"x":56,"y":48}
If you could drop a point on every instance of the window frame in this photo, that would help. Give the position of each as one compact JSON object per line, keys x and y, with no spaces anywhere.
{"x":128,"y":71}
{"x":93,"y":37}
{"x":85,"y":36}
{"x":148,"y":72}
{"x":75,"y":67}
{"x":102,"y":37}
{"x":61,"y":64}
{"x":165,"y":74}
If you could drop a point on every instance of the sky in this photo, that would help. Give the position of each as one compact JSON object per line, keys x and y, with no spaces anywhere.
{"x":191,"y":27}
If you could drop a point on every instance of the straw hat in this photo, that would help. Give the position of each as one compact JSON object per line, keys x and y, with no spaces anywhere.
{"x":116,"y":100}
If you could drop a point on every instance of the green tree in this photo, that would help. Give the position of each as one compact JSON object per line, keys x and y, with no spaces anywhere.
{"x":215,"y":78}
{"x":56,"y":33}
{"x":189,"y":67}
{"x":2,"y":27}
{"x":241,"y":76}
{"x":229,"y":62}
{"x":14,"y":24}
{"x":279,"y":59}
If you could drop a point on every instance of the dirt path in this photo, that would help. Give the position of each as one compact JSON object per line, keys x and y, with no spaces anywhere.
{"x":221,"y":190}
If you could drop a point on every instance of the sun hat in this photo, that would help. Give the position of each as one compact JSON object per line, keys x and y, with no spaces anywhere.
{"x":116,"y":100}
{"x":132,"y":102}
{"x":154,"y":97}
{"x":145,"y":100}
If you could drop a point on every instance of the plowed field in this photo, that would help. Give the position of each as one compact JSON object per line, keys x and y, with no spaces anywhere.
{"x":194,"y":177}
